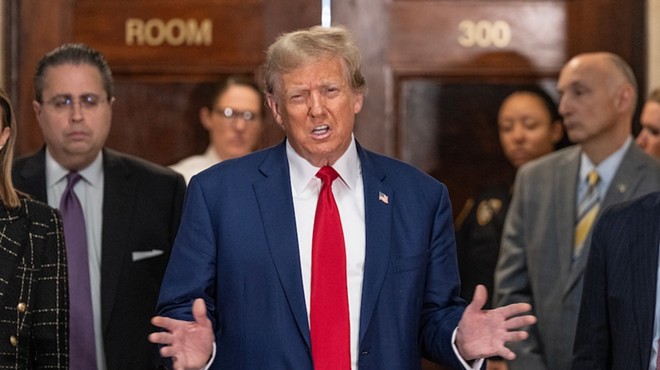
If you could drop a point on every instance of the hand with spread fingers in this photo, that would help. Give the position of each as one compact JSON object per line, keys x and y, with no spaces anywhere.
{"x":188,"y":343}
{"x":484,"y":333}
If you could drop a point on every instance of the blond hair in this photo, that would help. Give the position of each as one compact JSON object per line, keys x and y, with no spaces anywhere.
{"x":8,"y":194}
{"x":294,"y":49}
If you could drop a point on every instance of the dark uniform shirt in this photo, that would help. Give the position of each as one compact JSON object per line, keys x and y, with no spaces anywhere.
{"x":478,"y":239}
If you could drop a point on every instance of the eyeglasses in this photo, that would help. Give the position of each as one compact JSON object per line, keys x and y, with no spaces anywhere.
{"x":232,"y":114}
{"x":65,"y":103}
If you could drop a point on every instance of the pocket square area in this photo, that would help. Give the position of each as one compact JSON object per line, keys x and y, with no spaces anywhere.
{"x":141,"y":255}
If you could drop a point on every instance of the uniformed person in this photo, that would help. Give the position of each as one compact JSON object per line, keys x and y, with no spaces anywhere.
{"x":529,"y":126}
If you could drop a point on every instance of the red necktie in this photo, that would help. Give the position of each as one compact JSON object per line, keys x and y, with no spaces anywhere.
{"x":329,"y":318}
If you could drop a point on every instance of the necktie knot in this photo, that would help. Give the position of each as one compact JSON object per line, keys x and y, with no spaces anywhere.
{"x":593,"y":178}
{"x":327,"y":174}
{"x":72,"y":179}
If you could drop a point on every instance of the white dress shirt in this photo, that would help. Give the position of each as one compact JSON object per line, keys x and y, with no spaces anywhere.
{"x":606,"y":170}
{"x":349,"y":195}
{"x":191,"y":166}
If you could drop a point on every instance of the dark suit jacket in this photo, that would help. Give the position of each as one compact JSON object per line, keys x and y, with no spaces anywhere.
{"x":615,"y":327}
{"x":237,"y":248}
{"x":34,"y":299}
{"x":141,"y":211}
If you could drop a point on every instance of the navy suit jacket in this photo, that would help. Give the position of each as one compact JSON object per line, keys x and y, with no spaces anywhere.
{"x":615,"y":327}
{"x":237,"y":248}
{"x":142,"y":205}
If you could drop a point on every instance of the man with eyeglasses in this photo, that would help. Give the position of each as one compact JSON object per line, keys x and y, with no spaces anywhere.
{"x":129,"y":211}
{"x":233,"y":116}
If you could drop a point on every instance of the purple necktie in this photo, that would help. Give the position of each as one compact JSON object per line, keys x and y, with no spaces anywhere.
{"x":82,"y":350}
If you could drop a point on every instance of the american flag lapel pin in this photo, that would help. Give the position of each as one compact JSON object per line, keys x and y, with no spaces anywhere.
{"x":383,"y":197}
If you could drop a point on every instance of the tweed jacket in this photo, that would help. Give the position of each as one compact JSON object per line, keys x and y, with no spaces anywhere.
{"x":33,"y":288}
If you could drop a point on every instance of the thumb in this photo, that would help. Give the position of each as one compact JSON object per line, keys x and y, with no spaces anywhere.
{"x":199,"y":311}
{"x":479,"y":299}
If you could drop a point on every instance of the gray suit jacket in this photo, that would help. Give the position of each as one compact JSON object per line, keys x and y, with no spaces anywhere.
{"x":535,"y":258}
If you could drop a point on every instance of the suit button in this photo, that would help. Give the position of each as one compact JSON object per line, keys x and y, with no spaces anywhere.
{"x":13,"y":340}
{"x":22,"y":307}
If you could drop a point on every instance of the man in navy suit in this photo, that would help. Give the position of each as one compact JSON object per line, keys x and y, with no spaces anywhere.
{"x":618,"y":326}
{"x":236,"y":293}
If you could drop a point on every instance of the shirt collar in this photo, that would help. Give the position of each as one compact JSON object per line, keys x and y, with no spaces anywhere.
{"x":302,"y":172}
{"x":92,"y":174}
{"x":607,"y":168}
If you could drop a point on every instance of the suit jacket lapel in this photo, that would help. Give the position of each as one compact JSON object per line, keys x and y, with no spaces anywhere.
{"x":643,"y":253}
{"x":275,"y":201}
{"x":32,"y":177}
{"x":118,"y":192}
{"x":629,"y":176}
{"x":624,"y":186}
{"x":565,"y":197}
{"x":378,"y":219}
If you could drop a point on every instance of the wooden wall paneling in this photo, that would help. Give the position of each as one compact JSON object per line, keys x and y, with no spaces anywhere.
{"x":476,"y":37}
{"x":278,"y":18}
{"x":162,"y":55}
{"x":367,"y":20}
{"x":453,"y":63}
{"x":449,"y":130}
{"x":173,"y":37}
{"x":159,"y":75}
{"x":614,"y":26}
{"x":42,"y":26}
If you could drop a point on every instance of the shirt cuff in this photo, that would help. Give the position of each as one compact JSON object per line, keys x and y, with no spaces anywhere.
{"x":476,"y":365}
{"x":208,"y":364}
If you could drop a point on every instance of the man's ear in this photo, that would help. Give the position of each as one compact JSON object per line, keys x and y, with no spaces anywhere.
{"x":275,"y":109}
{"x":624,"y":98}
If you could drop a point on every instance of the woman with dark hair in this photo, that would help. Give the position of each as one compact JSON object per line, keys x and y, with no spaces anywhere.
{"x":33,"y":274}
{"x":529,"y":127}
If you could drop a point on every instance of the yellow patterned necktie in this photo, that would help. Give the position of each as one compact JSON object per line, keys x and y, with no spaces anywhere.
{"x":587,"y":211}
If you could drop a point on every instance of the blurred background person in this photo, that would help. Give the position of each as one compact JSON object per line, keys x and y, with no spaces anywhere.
{"x":129,"y":210}
{"x":556,"y":198}
{"x":233,"y":116}
{"x":649,"y":138}
{"x":34,"y":298}
{"x":529,"y":126}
